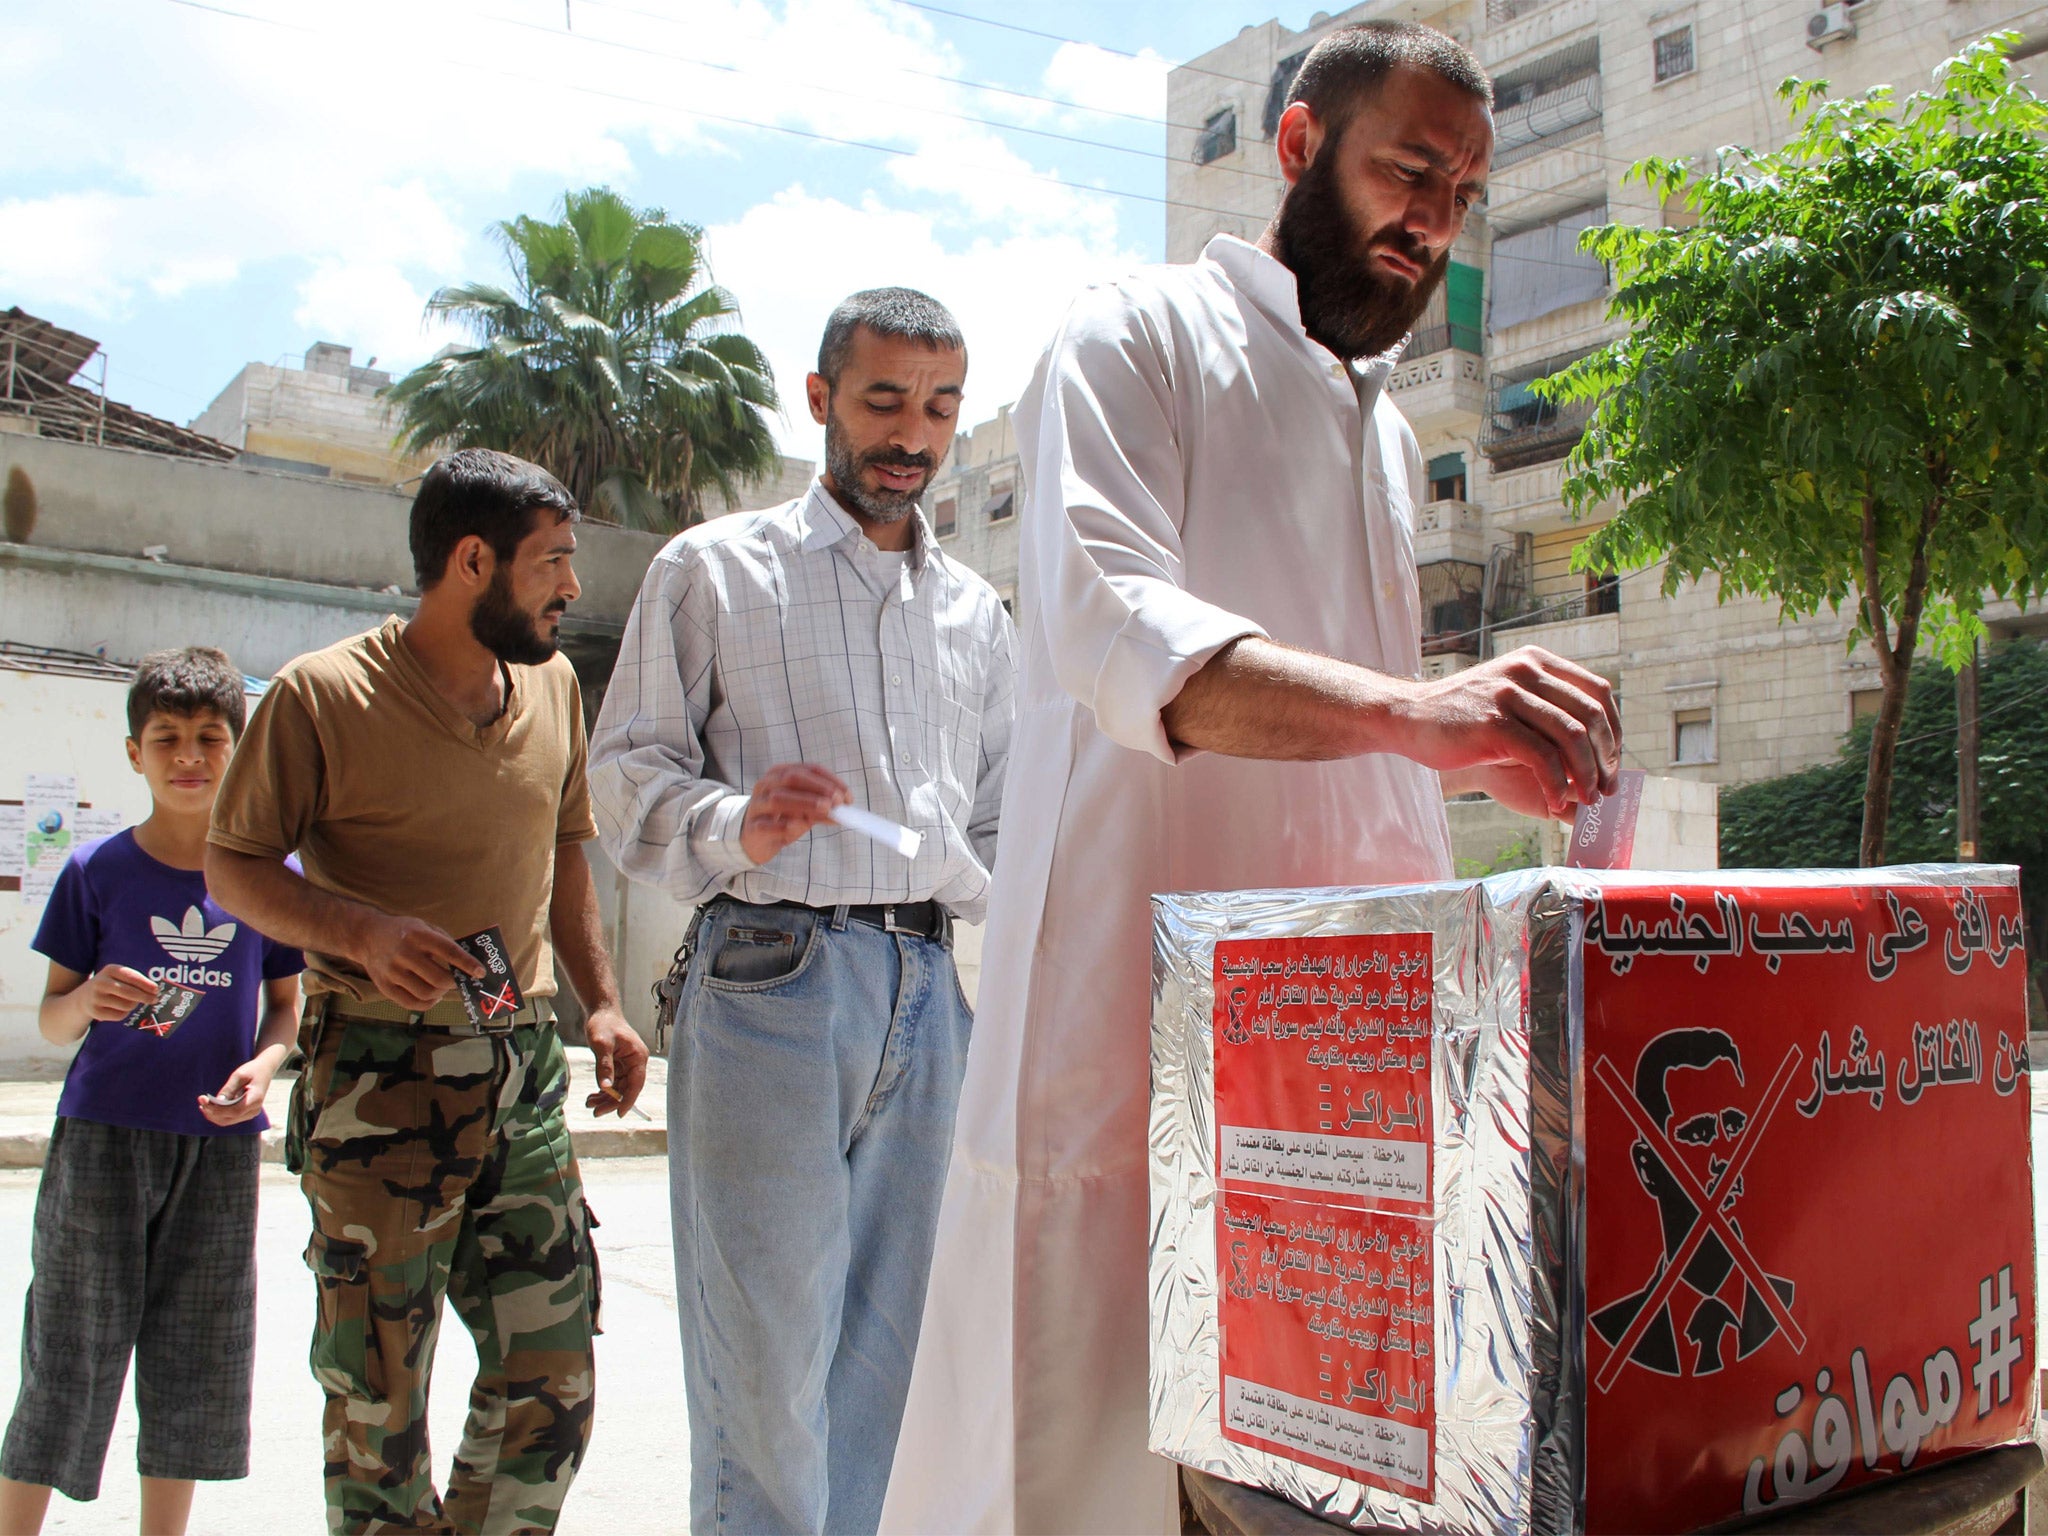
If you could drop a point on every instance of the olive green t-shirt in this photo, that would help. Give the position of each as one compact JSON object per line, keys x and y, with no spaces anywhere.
{"x":390,"y":797}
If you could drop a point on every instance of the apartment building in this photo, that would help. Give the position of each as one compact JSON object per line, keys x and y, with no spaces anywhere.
{"x":1584,"y":88}
{"x":1714,"y":691}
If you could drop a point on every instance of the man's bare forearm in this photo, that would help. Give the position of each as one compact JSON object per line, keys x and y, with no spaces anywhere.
{"x":1551,"y":721}
{"x":284,"y":906}
{"x":1255,"y":698}
{"x":577,"y":928}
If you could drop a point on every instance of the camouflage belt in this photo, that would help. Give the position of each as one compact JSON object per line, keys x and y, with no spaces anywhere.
{"x":447,"y":1018}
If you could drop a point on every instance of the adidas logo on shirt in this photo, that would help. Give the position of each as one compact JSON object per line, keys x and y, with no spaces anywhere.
{"x":194,"y":943}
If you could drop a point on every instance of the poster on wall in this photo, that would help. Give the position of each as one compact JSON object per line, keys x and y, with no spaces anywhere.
{"x":1323,"y":1128}
{"x":49,"y":814}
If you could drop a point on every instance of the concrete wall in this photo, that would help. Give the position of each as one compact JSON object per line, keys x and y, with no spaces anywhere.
{"x":227,"y":517}
{"x":53,"y":725}
{"x":123,"y":609}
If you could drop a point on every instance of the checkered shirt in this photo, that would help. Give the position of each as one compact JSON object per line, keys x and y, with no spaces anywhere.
{"x":786,"y":637}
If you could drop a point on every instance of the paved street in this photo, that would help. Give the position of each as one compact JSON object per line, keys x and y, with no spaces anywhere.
{"x":636,"y":1480}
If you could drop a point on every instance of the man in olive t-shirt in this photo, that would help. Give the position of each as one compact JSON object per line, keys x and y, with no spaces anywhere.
{"x":430,"y":777}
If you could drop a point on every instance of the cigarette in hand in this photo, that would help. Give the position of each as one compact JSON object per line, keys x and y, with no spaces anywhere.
{"x":614,"y":1095}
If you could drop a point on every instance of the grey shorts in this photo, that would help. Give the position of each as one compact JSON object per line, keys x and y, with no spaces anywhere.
{"x":144,"y":1243}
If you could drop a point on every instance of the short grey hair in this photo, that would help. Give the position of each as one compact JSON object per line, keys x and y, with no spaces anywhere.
{"x":1346,"y":70}
{"x":901,"y":313}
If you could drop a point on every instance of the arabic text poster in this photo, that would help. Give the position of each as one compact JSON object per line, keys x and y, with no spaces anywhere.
{"x":49,"y":807}
{"x":1809,"y":1217}
{"x":1322,"y":1066}
{"x":1329,"y":1338}
{"x":1324,"y":1123}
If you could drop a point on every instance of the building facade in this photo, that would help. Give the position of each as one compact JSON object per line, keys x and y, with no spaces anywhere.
{"x":323,"y":418}
{"x":1717,"y":692}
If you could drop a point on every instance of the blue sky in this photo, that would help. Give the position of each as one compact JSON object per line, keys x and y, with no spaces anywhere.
{"x":199,"y":190}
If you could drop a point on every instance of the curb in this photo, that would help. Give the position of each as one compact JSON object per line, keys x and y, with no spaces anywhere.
{"x":27,"y":1149}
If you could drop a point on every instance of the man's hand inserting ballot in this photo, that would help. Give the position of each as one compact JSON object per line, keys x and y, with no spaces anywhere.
{"x":1543,"y":731}
{"x":787,"y":801}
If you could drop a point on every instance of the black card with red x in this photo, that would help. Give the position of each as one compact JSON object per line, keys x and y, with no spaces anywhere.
{"x":494,"y":997}
{"x":162,"y":1014}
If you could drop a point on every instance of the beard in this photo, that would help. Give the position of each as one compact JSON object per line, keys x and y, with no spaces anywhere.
{"x":845,"y":468}
{"x":508,"y":631}
{"x":1347,"y":306}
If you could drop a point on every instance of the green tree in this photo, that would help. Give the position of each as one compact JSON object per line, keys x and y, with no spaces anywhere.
{"x":1836,"y":385}
{"x":1810,"y":819}
{"x":613,"y":361}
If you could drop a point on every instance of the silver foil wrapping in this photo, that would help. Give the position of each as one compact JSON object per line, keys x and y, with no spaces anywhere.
{"x":1508,"y":1088}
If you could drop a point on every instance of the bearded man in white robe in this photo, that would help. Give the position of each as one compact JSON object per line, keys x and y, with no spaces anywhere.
{"x":1221,"y":689}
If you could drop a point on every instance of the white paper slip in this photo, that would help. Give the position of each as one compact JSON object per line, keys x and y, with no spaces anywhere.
{"x":880,"y":828}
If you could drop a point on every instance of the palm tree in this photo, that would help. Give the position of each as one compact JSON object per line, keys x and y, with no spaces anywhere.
{"x":614,"y":363}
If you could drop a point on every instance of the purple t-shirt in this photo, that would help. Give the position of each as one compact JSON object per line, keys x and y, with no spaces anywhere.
{"x":115,"y":905}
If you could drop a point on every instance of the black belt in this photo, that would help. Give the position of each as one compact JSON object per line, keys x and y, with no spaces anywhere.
{"x":923,"y":919}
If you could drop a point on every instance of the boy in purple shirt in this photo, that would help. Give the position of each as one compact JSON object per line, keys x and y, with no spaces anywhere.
{"x":145,"y":1225}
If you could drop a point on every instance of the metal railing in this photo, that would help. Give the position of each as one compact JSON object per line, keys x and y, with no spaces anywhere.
{"x":1546,"y":121}
{"x":1500,"y":12}
{"x":1442,"y":338}
{"x":1520,"y":428}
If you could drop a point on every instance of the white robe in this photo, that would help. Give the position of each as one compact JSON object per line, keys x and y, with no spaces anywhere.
{"x":1197,"y":469}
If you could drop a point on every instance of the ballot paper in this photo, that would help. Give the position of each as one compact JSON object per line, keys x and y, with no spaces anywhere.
{"x":1604,"y":833}
{"x":880,"y":828}
{"x":1584,"y":1201}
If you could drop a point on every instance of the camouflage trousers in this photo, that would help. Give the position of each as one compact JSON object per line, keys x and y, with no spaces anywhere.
{"x":436,"y":1165}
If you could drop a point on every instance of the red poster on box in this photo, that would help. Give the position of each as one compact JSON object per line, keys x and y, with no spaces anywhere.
{"x":1819,"y":1070}
{"x":1323,"y":1133}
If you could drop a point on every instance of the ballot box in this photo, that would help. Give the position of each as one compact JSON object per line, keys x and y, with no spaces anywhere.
{"x":1572,"y":1200}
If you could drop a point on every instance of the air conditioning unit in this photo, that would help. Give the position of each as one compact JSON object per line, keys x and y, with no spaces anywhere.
{"x":1829,"y":24}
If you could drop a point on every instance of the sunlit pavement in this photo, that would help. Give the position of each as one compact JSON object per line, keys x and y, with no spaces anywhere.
{"x":637,"y":1477}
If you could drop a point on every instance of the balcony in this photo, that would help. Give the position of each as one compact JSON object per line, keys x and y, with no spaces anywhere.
{"x":1453,"y":605}
{"x":1547,"y":121}
{"x":1440,"y":383}
{"x":1591,"y":639}
{"x":1520,"y":428}
{"x":1516,"y":29}
{"x":1449,"y":530}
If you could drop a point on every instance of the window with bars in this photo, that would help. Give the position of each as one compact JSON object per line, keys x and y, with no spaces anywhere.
{"x":1673,"y":53}
{"x":947,"y":518}
{"x":1218,"y":137}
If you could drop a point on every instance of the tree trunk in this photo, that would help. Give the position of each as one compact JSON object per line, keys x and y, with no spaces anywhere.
{"x":1966,"y":760}
{"x":1895,"y":661}
{"x":1877,"y":782}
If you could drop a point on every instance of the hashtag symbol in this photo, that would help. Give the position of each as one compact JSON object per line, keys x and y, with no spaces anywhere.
{"x":1998,"y":1351}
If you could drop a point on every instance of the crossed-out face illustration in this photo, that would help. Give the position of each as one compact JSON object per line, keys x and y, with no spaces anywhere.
{"x":1236,"y":1031}
{"x":1689,"y":1086}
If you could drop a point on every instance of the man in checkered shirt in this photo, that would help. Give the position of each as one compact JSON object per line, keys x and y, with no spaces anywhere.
{"x":778,"y":665}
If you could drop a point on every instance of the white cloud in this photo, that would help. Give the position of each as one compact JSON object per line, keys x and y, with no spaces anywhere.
{"x":789,"y":260}
{"x":1094,"y":77}
{"x":162,"y":154}
{"x":374,"y":308}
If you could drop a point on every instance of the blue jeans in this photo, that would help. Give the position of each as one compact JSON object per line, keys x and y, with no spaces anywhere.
{"x":813,"y":1078}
